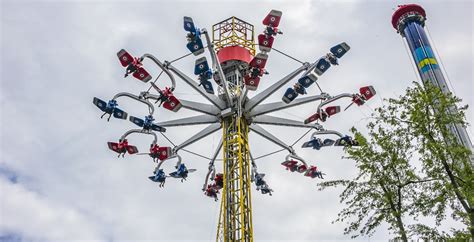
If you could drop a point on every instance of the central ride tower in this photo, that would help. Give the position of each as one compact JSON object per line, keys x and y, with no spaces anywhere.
{"x":236,"y":69}
{"x":234,"y":43}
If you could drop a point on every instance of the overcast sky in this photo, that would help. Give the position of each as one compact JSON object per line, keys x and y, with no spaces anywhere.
{"x":58,"y":180}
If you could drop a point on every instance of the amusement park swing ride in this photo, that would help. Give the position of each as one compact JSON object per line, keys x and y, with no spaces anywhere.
{"x":236,"y":69}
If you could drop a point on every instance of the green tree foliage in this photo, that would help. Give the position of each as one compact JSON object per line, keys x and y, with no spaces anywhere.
{"x":410,"y":165}
{"x":431,"y":115}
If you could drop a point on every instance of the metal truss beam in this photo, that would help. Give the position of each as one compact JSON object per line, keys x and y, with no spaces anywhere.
{"x":267,"y":135}
{"x":271,"y":120}
{"x":269,"y":91}
{"x":203,"y":133}
{"x":212,"y":98}
{"x":200,"y":107}
{"x":195,"y":120}
{"x":235,"y":218}
{"x":277,"y":106}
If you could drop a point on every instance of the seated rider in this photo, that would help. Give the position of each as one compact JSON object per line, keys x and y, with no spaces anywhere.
{"x":266,"y":189}
{"x":259,"y":180}
{"x":317,"y":144}
{"x":211,"y":191}
{"x":219,"y":181}
{"x":162,"y":99}
{"x":255,"y":72}
{"x":205,"y":75}
{"x":328,"y":142}
{"x":111,"y":104}
{"x":299,"y":88}
{"x":148,"y":122}
{"x":323,"y":115}
{"x":293,"y":167}
{"x":164,"y":96}
{"x":132,"y":67}
{"x":348,"y":141}
{"x":159,"y":175}
{"x":191,"y":37}
{"x":261,"y":184}
{"x":332,"y":58}
{"x":123,"y":144}
{"x":216,"y":78}
{"x":319,"y":174}
{"x":269,"y":31}
{"x":352,"y":142}
{"x":181,"y":169}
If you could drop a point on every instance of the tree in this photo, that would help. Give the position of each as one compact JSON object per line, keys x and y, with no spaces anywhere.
{"x":383,"y":190}
{"x":431,"y":114}
{"x":413,"y":129}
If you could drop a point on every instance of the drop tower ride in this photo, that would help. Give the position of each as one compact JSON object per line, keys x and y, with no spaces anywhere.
{"x":409,"y":21}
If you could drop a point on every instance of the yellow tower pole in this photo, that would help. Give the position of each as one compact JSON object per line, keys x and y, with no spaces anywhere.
{"x":235,"y":217}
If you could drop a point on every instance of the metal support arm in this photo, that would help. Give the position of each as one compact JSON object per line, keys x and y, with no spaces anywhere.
{"x":271,"y":120}
{"x":200,"y":107}
{"x":140,"y":131}
{"x":267,"y":92}
{"x":213,"y":99}
{"x":335,"y":98}
{"x":216,"y":153}
{"x":217,"y":66}
{"x":322,"y":132}
{"x":254,"y":168}
{"x":296,"y":157}
{"x":195,"y":106}
{"x":195,"y":120}
{"x":311,"y":67}
{"x":267,"y":135}
{"x":277,"y":106}
{"x":135,"y":97}
{"x":203,"y":133}
{"x":212,"y":170}
{"x":162,"y":67}
{"x":178,"y":162}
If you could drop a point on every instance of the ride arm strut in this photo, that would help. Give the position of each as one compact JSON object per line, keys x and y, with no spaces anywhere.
{"x":277,"y":106}
{"x":211,"y":165}
{"x":135,"y":97}
{"x":267,"y":135}
{"x":311,"y":67}
{"x":322,"y":132}
{"x":332,"y":99}
{"x":140,"y":131}
{"x":267,"y":92}
{"x":200,"y":107}
{"x":169,"y":158}
{"x":162,"y":67}
{"x":271,"y":120}
{"x":254,"y":167}
{"x":216,"y":65}
{"x":203,"y":133}
{"x":213,"y":99}
{"x":295,"y":156}
{"x":195,"y":120}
